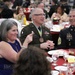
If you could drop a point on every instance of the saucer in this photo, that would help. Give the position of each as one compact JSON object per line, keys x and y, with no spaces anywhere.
{"x":61,"y":68}
{"x":54,"y":72}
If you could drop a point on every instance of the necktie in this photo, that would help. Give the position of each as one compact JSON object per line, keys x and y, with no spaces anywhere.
{"x":39,"y":28}
{"x":40,"y":31}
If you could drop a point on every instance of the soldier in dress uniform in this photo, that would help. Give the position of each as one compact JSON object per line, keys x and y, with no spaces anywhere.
{"x":67,"y":36}
{"x":42,"y":37}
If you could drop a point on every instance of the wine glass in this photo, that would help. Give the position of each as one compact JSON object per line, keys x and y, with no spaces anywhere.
{"x":71,"y":68}
{"x":65,"y":56}
{"x":55,"y":57}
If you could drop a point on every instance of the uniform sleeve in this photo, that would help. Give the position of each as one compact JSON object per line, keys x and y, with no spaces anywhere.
{"x":24,"y":34}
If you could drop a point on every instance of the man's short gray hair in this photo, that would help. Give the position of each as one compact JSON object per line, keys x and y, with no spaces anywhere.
{"x":34,"y":11}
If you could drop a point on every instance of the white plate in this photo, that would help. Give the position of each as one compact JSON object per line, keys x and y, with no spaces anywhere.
{"x":54,"y":72}
{"x":49,"y":59}
{"x":59,"y":52}
{"x":61,"y":68}
{"x":56,"y":28}
{"x":51,"y":52}
{"x":71,"y":56}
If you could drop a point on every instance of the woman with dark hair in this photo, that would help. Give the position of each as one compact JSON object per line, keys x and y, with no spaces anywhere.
{"x":60,"y":14}
{"x":10,"y":46}
{"x":19,"y":14}
{"x":66,"y":6}
{"x":32,"y":61}
{"x":54,"y":3}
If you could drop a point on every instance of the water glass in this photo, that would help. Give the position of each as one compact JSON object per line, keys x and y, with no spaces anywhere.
{"x":65,"y":56}
{"x":54,"y":57}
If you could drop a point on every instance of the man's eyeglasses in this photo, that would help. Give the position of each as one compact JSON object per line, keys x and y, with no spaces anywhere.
{"x":39,"y":14}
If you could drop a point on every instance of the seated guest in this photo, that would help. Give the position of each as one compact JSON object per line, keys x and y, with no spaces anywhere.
{"x":17,"y":3}
{"x":32,"y":61}
{"x":42,"y":6}
{"x":54,"y":3}
{"x":60,"y":14}
{"x":19,"y":14}
{"x":26,"y":3}
{"x":65,"y":5}
{"x":67,"y":36}
{"x":42,"y":37}
{"x":74,"y":4}
{"x":10,"y":46}
{"x":5,"y":12}
{"x":8,"y":3}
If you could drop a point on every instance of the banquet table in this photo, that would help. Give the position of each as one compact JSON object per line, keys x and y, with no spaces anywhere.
{"x":60,"y":62}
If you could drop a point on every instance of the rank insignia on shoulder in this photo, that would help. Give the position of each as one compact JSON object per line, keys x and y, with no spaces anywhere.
{"x":59,"y":41}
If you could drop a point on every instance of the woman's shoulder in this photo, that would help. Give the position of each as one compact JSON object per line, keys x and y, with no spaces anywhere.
{"x":4,"y":45}
{"x":54,"y":13}
{"x":65,"y":14}
{"x":3,"y":42}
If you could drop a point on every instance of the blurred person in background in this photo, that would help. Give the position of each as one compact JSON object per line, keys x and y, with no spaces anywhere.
{"x":67,"y":7}
{"x":19,"y":15}
{"x":8,"y":3}
{"x":17,"y":3}
{"x":42,"y":6}
{"x":5,"y":12}
{"x":25,"y":64}
{"x":53,"y":6}
{"x":74,"y":4}
{"x":42,"y":37}
{"x":10,"y":46}
{"x":60,"y":14}
{"x":26,"y":4}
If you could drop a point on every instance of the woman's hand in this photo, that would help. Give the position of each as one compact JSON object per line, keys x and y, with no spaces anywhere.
{"x":28,"y":39}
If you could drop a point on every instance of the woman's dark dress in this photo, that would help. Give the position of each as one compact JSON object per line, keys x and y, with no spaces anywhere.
{"x":5,"y":65}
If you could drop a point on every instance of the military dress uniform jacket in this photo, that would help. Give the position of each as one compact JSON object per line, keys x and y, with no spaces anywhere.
{"x":67,"y":38}
{"x":36,"y":37}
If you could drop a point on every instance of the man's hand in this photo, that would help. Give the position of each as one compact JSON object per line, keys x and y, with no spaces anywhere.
{"x":48,"y":44}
